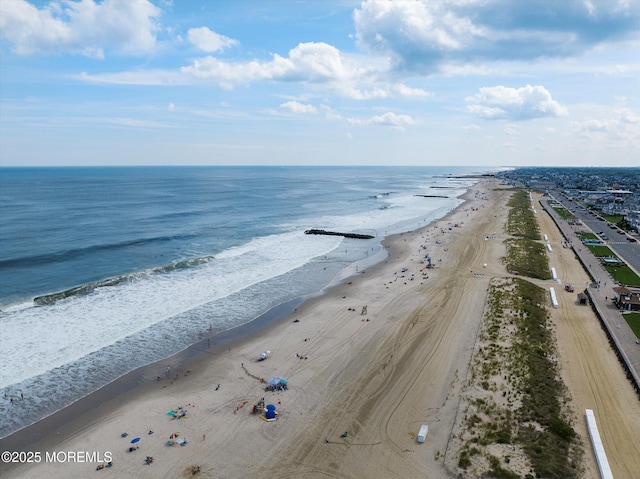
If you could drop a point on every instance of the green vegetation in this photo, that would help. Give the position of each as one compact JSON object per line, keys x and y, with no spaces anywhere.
{"x":525,"y":256}
{"x":624,"y":275}
{"x":563,"y":212}
{"x":612,"y":219}
{"x":600,"y":251}
{"x":521,"y":221}
{"x":523,"y":403}
{"x":625,"y":225}
{"x":585,"y":236}
{"x":633,"y":320}
{"x":464,"y":461}
{"x":543,"y":389}
{"x":498,"y":472}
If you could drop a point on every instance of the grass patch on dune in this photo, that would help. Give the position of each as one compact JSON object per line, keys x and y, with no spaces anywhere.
{"x":527,"y":258}
{"x":517,"y":405}
{"x":521,"y":221}
{"x":525,"y":255}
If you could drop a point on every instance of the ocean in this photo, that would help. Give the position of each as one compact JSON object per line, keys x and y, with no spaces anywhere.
{"x":104,"y":270}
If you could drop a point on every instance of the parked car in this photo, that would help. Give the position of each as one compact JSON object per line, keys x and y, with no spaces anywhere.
{"x":568,"y":288}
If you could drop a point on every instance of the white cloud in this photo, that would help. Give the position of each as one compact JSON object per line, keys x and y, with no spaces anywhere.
{"x":511,"y":130}
{"x":595,"y":125}
{"x":391,"y":119}
{"x":427,"y":35}
{"x":312,"y":63}
{"x":318,"y":64}
{"x":85,"y":27}
{"x":136,"y":123}
{"x":628,"y":116}
{"x":142,"y":77}
{"x":620,"y":129}
{"x":387,"y":119}
{"x":350,"y":91}
{"x":404,"y":90}
{"x":297,"y":107}
{"x":524,"y":103}
{"x":208,"y":40}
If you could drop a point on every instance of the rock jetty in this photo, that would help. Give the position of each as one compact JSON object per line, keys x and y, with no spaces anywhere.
{"x":336,"y":233}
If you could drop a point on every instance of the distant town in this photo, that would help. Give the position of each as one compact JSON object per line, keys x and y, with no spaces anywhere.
{"x":612,"y":192}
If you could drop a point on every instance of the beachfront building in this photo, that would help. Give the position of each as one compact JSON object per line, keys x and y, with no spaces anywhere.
{"x":627,"y":299}
{"x":633,"y":219}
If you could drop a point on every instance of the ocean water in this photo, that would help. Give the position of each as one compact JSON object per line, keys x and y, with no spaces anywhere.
{"x":103,"y":270}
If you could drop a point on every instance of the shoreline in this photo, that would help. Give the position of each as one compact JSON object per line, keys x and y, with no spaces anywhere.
{"x":378,"y":375}
{"x":71,"y":418}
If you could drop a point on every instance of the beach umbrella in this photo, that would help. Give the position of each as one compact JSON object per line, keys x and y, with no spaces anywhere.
{"x":270,"y":407}
{"x":134,"y":440}
{"x":273,"y":381}
{"x":284,"y":382}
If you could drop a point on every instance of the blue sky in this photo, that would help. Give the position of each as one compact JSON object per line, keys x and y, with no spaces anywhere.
{"x":327,"y":82}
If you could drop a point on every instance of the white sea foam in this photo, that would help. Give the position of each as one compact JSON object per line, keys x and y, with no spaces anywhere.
{"x":79,"y":325}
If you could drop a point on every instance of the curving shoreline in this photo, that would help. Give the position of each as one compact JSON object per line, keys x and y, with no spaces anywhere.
{"x":139,"y":387}
{"x":70,"y":418}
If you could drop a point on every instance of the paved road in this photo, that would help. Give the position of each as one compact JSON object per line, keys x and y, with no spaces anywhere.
{"x":602,"y":295}
{"x":625,"y":249}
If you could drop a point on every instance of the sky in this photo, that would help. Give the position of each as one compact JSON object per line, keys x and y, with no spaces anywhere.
{"x":495,"y":83}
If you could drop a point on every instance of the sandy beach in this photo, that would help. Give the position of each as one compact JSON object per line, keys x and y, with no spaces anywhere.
{"x":375,"y":358}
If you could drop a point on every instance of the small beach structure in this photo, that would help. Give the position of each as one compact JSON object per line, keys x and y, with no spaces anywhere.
{"x":422,"y":433}
{"x":270,"y":414}
{"x":277,"y":384}
{"x":626,"y":298}
{"x":582,"y":298}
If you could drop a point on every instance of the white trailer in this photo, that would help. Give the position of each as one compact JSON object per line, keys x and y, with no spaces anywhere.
{"x":554,"y":300}
{"x":598,"y":447}
{"x":422,"y":433}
